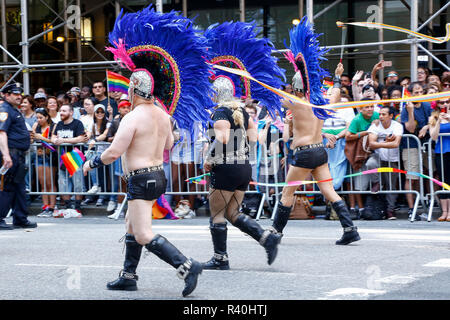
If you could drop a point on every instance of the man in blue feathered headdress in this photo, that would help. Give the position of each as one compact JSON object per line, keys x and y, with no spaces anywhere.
{"x":169,"y":78}
{"x":310,"y":156}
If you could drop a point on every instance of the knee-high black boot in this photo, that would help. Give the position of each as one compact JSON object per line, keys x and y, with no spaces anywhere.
{"x":187,"y":269}
{"x":219,"y":237}
{"x":350,"y":231}
{"x":268,"y":238}
{"x":127,"y":277}
{"x":281,"y":217}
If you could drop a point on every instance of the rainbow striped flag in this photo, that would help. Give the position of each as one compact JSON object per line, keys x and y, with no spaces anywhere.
{"x":327,"y":84}
{"x":73,"y":160}
{"x":117,"y":82}
{"x":45,"y":134}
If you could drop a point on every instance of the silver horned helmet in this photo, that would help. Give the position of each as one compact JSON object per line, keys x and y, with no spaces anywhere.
{"x":224,"y":89}
{"x":141,"y":84}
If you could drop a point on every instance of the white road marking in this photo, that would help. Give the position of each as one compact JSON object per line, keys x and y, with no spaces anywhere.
{"x":144,"y":268}
{"x":352,"y":292}
{"x":441,"y":263}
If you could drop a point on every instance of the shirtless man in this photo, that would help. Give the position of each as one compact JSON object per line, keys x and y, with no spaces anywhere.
{"x":310,"y":157}
{"x":142,"y":137}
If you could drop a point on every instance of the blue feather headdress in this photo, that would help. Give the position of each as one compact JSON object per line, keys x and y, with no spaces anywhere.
{"x":234,"y":45}
{"x":306,"y":55}
{"x":171,"y":50}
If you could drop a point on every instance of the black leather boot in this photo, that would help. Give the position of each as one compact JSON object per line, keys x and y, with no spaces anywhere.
{"x":187,"y":269}
{"x":219,"y":237}
{"x":350,"y":231}
{"x":281,"y":218}
{"x":268,"y":238}
{"x":127,"y":277}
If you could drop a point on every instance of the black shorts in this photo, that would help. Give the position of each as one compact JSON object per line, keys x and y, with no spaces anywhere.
{"x":146,"y":186}
{"x":310,"y":158}
{"x":231,"y":177}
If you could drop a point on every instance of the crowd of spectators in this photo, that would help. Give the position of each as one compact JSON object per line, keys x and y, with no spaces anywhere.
{"x":88,"y":118}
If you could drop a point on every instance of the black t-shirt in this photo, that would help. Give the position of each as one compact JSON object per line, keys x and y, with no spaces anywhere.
{"x":69,"y":131}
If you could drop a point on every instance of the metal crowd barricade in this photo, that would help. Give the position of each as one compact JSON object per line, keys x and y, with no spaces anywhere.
{"x":183,"y":165}
{"x":435,"y":193}
{"x":193,"y":167}
{"x":105,"y":176}
{"x":383,"y":190}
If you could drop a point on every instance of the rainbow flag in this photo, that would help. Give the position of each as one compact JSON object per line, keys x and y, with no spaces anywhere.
{"x":73,"y":160}
{"x":406,"y":93}
{"x":162,"y":210}
{"x":117,"y":82}
{"x":45,"y":134}
{"x":327,"y":84}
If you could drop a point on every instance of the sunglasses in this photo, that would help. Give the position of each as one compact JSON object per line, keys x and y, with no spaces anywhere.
{"x":99,"y":111}
{"x":443,"y":102}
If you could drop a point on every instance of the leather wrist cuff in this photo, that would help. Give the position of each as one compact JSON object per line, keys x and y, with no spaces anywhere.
{"x":96,"y":162}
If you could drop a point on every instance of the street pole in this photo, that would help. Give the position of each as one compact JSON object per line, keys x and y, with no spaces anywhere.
{"x":4,"y":39}
{"x":66,"y":42}
{"x":310,"y":10}
{"x":414,"y":49}
{"x":242,"y":10}
{"x":79,"y":57}
{"x":381,"y":39}
{"x":159,"y":6}
{"x":24,"y":44}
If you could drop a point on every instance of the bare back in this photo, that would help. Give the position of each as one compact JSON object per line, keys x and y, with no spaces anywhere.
{"x":152,"y":130}
{"x":307,"y":128}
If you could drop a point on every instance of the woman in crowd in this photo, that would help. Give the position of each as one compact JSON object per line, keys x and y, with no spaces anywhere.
{"x":27,"y":107}
{"x":52,"y":108}
{"x":99,"y":131}
{"x":405,"y":82}
{"x":396,"y":92}
{"x":88,"y":118}
{"x":440,"y":123}
{"x":46,"y":161}
{"x":422,"y":75}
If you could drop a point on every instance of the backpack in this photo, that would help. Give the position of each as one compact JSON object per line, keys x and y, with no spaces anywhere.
{"x":301,"y":209}
{"x":374,"y":207}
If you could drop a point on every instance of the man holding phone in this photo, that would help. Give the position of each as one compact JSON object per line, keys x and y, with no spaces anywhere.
{"x":384,"y":138}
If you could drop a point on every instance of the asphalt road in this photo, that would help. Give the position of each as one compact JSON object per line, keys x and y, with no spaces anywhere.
{"x":73,"y":259}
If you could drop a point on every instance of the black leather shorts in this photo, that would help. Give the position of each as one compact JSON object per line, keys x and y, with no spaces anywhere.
{"x":310,"y":158}
{"x":231,"y":177}
{"x":146,"y":186}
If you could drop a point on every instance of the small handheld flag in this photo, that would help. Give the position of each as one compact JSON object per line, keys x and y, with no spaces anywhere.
{"x":117,"y":82}
{"x":45,"y":134}
{"x":73,"y":160}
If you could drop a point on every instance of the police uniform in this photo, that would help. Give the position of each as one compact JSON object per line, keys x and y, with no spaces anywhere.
{"x":12,"y":186}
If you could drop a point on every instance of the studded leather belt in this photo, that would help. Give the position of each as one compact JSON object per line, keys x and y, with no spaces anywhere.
{"x":143,"y":170}
{"x":309,"y":146}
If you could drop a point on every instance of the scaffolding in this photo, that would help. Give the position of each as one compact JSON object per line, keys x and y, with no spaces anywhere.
{"x":23,"y":66}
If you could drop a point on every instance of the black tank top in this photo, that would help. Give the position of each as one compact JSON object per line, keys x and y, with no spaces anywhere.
{"x":237,"y":143}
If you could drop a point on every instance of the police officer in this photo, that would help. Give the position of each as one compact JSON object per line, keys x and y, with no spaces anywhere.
{"x":14,"y":142}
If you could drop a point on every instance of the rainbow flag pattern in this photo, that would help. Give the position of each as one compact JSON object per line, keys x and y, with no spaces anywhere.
{"x":117,"y":82}
{"x":73,"y":160}
{"x":45,"y":134}
{"x":327,"y":84}
{"x":443,"y":185}
{"x":162,"y":210}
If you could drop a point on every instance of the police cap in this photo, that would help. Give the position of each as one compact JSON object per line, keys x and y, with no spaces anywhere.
{"x":13,"y":88}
